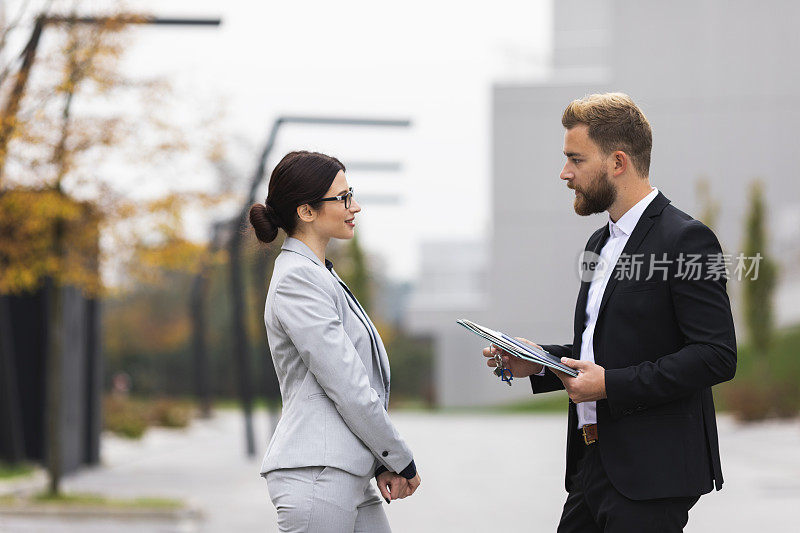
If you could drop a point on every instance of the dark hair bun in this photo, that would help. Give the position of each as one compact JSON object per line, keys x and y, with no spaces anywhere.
{"x":265,"y":222}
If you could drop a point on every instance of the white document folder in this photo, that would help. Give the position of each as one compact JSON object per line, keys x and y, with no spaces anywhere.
{"x":517,"y":348}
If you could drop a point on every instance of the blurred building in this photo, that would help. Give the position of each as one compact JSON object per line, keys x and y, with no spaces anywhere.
{"x":452,"y":284}
{"x":453,"y":277}
{"x":716,"y":82}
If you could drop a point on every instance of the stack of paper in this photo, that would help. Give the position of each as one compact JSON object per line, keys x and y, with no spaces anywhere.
{"x":517,"y":348}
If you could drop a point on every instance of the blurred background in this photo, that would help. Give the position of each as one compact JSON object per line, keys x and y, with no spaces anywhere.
{"x":137,"y":391}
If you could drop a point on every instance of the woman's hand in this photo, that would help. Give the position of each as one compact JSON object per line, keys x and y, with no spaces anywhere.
{"x":413,"y":484}
{"x":396,"y":487}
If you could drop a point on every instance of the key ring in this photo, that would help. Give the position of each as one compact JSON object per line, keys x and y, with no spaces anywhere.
{"x":501,"y":371}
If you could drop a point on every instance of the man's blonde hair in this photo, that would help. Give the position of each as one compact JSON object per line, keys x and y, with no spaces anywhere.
{"x":615,"y":123}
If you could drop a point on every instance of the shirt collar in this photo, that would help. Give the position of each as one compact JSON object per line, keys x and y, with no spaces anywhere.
{"x":299,"y":247}
{"x":628,"y":221}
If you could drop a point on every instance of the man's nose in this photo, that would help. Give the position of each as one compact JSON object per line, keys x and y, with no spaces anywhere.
{"x":566,"y":174}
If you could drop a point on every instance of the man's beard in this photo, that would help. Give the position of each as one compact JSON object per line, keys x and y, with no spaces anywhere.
{"x":597,"y":198}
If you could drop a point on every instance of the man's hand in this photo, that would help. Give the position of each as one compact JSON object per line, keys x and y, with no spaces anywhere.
{"x":519,"y":367}
{"x":589,"y":386}
{"x":396,"y":487}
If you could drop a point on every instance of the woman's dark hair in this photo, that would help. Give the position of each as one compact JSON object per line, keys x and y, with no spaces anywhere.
{"x":300,"y":178}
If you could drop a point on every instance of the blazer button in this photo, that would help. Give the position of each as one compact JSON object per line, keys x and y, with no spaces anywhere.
{"x":385,"y":453}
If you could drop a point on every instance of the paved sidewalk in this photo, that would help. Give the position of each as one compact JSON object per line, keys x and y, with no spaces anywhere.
{"x":479,"y":474}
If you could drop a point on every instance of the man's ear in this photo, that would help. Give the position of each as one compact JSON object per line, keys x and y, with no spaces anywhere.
{"x":621,"y":162}
{"x":305,"y":213}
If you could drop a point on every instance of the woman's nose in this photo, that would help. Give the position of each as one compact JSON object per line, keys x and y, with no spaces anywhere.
{"x":354,"y":206}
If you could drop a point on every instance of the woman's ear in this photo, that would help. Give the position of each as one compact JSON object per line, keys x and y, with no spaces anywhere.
{"x":305,"y":213}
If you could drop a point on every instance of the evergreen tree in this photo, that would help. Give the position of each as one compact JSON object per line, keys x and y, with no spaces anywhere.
{"x":709,"y":207}
{"x":758,"y":291}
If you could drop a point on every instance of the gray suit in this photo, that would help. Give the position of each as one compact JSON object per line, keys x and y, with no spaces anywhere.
{"x":334,"y":378}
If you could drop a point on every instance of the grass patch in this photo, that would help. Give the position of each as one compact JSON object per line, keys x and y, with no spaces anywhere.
{"x":96,"y":500}
{"x":552,"y":402}
{"x":9,"y":471}
{"x":235,"y":404}
{"x":407,"y":404}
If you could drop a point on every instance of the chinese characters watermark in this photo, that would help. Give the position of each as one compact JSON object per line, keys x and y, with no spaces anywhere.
{"x":684,"y":266}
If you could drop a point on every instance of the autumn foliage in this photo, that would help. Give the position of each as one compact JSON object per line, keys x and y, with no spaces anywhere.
{"x":64,"y":214}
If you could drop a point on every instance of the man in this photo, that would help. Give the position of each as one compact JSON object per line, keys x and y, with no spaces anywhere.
{"x":651,"y":337}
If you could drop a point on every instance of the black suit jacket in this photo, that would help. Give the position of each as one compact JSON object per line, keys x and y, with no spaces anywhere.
{"x":663,"y":344}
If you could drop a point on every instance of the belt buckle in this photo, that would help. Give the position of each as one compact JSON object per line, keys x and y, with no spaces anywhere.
{"x":586,"y":438}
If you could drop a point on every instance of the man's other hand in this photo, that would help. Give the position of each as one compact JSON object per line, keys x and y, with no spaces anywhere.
{"x":589,"y":386}
{"x":519,"y":367}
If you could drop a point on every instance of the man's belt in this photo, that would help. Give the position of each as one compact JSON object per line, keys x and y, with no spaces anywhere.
{"x":588,"y":433}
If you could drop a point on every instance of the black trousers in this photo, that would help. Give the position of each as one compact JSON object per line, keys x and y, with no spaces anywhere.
{"x":595,"y":506}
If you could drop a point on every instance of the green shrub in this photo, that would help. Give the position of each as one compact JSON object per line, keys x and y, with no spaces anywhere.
{"x":125,"y":417}
{"x":130,"y":417}
{"x":767,"y":382}
{"x":748,"y":400}
{"x":170,"y":413}
{"x":787,"y":399}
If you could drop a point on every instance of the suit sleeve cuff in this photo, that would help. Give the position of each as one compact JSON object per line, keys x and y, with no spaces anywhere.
{"x":410,"y":471}
{"x":380,"y":470}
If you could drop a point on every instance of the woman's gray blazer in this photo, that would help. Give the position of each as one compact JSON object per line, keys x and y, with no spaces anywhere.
{"x":333,"y":372}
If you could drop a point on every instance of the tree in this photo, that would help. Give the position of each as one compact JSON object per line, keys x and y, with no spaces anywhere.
{"x":709,"y":207}
{"x":55,"y":203}
{"x":758,"y":291}
{"x":352,"y":265}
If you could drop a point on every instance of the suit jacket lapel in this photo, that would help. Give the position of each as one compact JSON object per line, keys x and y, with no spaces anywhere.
{"x":634,"y":241}
{"x":380,"y":354}
{"x":352,"y":301}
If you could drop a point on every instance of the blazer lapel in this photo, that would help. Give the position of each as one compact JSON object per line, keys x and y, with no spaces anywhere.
{"x":352,"y":301}
{"x":634,"y":241}
{"x":380,"y":354}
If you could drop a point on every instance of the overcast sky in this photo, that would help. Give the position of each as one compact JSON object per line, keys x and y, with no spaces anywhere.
{"x":431,"y":62}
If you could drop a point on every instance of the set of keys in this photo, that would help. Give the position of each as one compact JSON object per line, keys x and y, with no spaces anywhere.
{"x":501,"y":371}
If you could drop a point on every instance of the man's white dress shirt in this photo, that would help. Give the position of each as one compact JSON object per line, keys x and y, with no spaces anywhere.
{"x":620,"y":233}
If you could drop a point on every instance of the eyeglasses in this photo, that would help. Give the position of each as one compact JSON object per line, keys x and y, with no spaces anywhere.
{"x":348,"y":198}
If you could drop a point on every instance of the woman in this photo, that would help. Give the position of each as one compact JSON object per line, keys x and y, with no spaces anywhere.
{"x":334,"y":433}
